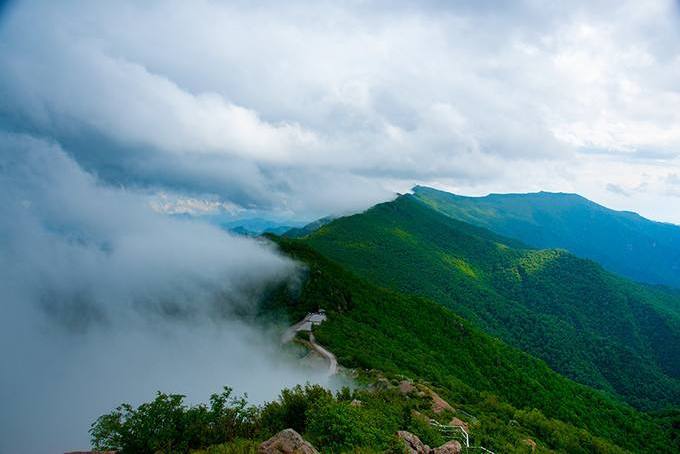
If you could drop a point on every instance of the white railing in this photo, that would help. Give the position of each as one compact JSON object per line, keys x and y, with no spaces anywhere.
{"x":450,"y":430}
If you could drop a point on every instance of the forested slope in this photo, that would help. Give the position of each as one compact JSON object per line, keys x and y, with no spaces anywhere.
{"x":586,"y":323}
{"x":623,"y":242}
{"x":513,"y":395}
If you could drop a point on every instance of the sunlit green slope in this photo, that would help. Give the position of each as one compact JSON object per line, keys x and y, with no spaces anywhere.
{"x":586,"y":323}
{"x":513,"y":395}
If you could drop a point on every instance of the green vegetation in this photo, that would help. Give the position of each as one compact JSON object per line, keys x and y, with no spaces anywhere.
{"x":346,"y":421}
{"x":623,"y":242}
{"x":505,"y":395}
{"x":413,"y":294}
{"x":166,"y":424}
{"x":592,"y":326}
{"x":512,"y":395}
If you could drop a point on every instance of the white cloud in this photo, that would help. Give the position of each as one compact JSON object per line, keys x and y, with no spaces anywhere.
{"x":299,"y":109}
{"x":412,"y":94}
{"x":105,"y":301}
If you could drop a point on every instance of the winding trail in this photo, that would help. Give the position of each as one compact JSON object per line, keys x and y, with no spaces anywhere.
{"x":332,"y":360}
{"x":305,"y":325}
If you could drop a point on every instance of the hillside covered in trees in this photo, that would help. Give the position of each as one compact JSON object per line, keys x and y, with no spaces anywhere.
{"x":621,"y":241}
{"x":592,"y":326}
{"x":505,"y":396}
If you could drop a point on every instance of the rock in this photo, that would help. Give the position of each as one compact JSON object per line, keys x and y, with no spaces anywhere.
{"x":451,"y":447}
{"x":418,"y":415}
{"x":406,"y":387}
{"x":439,"y":404}
{"x":459,"y":423}
{"x":286,"y":442}
{"x":356,"y":403}
{"x":531,"y":443}
{"x":413,"y":443}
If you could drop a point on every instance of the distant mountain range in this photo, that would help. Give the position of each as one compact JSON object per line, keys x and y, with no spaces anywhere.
{"x":621,"y":241}
{"x":257,"y":226}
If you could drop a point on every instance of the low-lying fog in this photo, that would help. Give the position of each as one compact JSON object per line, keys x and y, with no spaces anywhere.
{"x":105,"y":301}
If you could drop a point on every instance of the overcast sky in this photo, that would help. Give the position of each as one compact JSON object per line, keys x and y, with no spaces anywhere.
{"x":114,"y":114}
{"x":308,"y":108}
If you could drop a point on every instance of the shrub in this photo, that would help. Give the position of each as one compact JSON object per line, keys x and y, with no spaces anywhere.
{"x":167,"y":425}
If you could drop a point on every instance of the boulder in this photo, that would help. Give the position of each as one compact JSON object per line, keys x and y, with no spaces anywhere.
{"x":406,"y":387}
{"x":450,"y":447}
{"x":413,"y":443}
{"x":286,"y":442}
{"x":531,"y":443}
{"x":439,"y":404}
{"x":459,"y":423}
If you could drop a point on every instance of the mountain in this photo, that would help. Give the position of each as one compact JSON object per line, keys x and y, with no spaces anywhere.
{"x":255,"y":226}
{"x":623,"y":242}
{"x":411,"y":360}
{"x":299,"y":232}
{"x":510,"y":394}
{"x":594,"y":327}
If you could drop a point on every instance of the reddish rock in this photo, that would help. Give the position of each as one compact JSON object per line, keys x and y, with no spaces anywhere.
{"x":412,"y":443}
{"x":406,"y":387}
{"x":531,"y":443}
{"x":286,"y":442}
{"x":439,"y":404}
{"x":459,"y":423}
{"x":451,"y":447}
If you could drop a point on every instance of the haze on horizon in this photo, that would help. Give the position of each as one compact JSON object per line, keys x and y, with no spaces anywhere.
{"x":114,"y":115}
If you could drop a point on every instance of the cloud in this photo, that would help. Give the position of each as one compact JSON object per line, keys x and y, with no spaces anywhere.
{"x":239,"y":101}
{"x":104,"y":301}
{"x":616,"y":189}
{"x":289,"y":110}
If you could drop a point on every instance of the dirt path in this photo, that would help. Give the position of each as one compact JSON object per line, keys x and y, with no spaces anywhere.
{"x":332,"y":360}
{"x":305,"y":325}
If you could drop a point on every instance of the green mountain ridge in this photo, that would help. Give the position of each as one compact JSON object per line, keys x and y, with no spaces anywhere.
{"x":513,"y":394}
{"x":592,"y":326}
{"x":622,"y":241}
{"x":411,"y":293}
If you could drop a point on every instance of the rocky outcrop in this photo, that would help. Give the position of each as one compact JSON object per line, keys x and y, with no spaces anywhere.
{"x":451,"y":447}
{"x":406,"y":387}
{"x":412,"y":443}
{"x":531,"y":443}
{"x":439,"y":404}
{"x":286,"y":442}
{"x":459,"y":423}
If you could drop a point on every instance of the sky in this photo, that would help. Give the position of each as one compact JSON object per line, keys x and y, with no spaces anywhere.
{"x":301,"y":109}
{"x":116,"y":115}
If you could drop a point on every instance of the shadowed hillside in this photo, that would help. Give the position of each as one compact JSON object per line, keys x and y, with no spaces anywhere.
{"x":621,"y":241}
